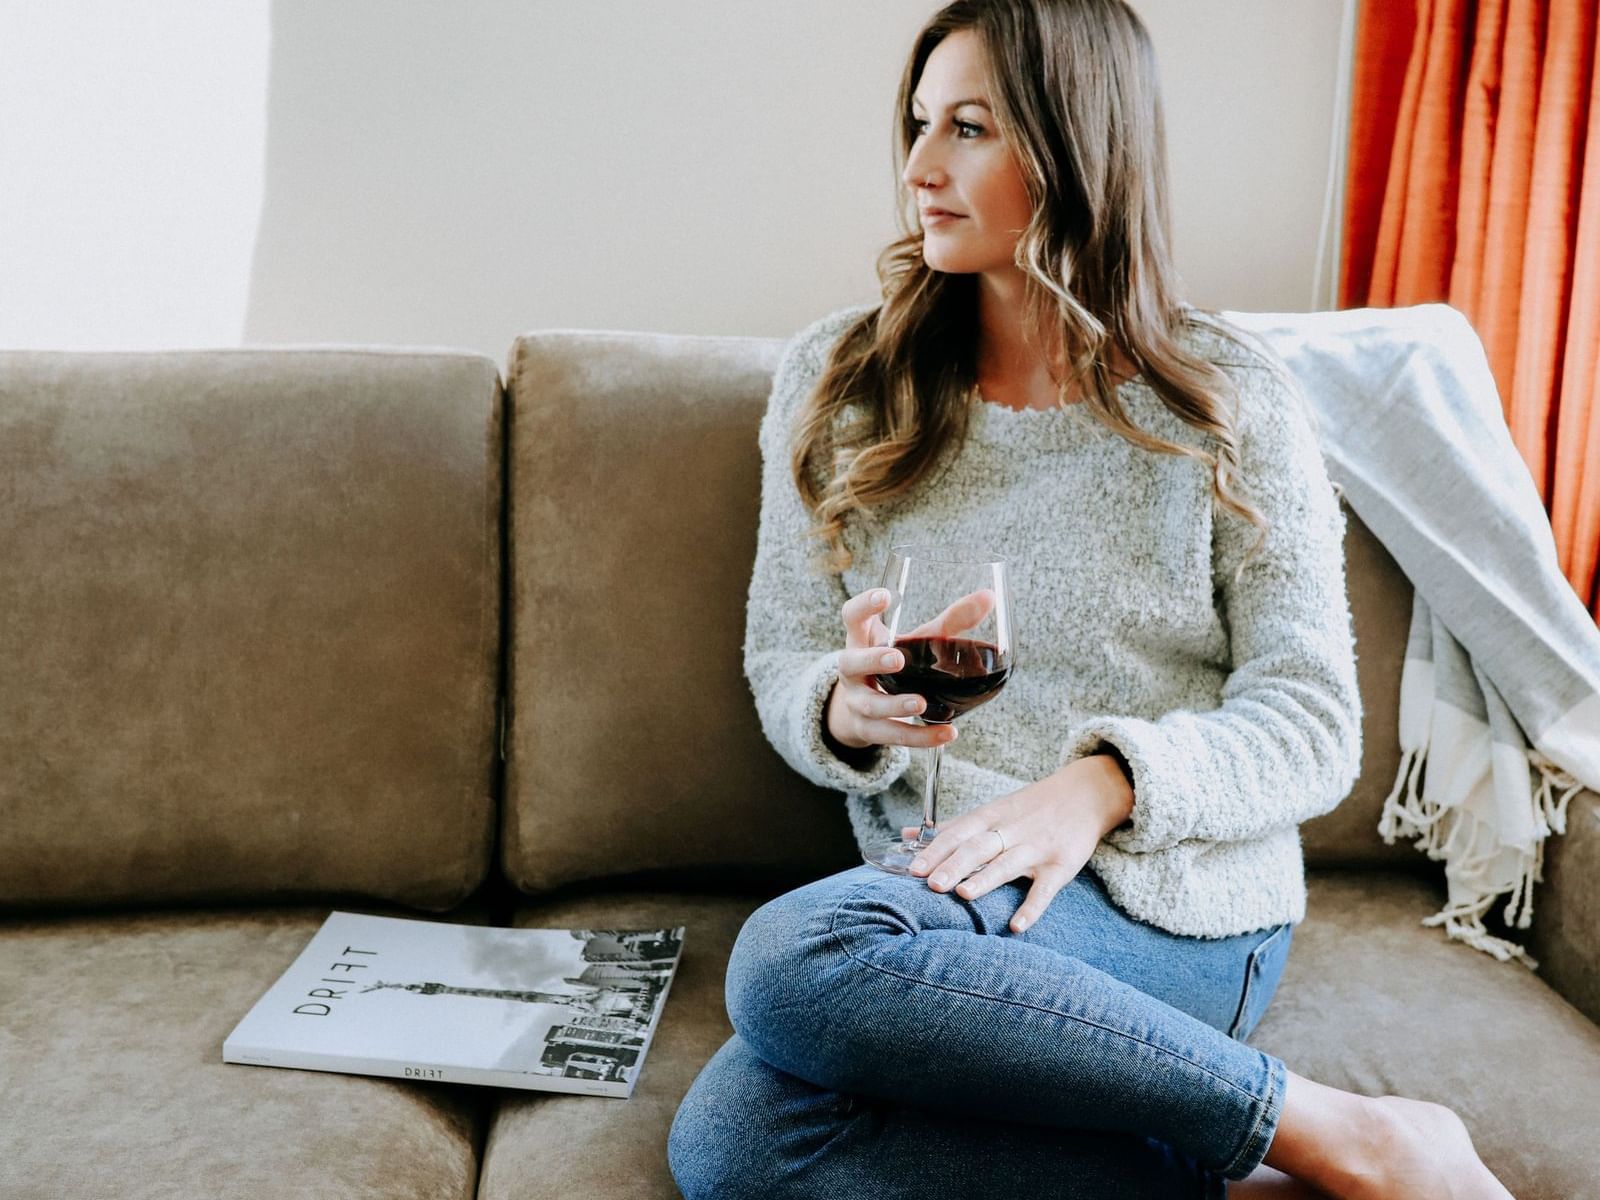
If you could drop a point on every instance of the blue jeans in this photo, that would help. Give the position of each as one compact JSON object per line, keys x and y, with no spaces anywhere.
{"x":895,"y":1041}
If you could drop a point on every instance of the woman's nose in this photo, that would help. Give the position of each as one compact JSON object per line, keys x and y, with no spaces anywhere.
{"x":922,"y":169}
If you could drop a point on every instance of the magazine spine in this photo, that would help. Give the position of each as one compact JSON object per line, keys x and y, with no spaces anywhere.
{"x":420,"y":1072}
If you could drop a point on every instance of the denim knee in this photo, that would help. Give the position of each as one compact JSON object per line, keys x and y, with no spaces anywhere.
{"x":793,"y":960}
{"x":703,"y":1161}
{"x":784,"y":965}
{"x":718,"y":1147}
{"x":767,"y":968}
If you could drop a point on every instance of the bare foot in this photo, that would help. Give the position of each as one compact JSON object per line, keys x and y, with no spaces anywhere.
{"x":1428,"y":1155}
{"x":1267,"y":1183}
{"x":1355,"y":1147}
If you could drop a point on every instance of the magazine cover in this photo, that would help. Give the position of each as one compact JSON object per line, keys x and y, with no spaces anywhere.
{"x":555,"y":1010}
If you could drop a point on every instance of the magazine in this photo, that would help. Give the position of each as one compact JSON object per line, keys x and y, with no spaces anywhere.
{"x":552,"y":1010}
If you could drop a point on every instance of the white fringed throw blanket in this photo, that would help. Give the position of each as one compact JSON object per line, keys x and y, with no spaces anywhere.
{"x":1500,"y":695}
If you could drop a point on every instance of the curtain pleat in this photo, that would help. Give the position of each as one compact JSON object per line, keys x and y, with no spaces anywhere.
{"x":1494,"y":311}
{"x":1475,"y":179}
{"x":1479,"y":117}
{"x":1416,"y":236}
{"x":1384,"y":33}
{"x":1575,"y":497}
{"x":1552,"y":234}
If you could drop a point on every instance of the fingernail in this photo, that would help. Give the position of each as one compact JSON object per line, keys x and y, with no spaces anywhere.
{"x":919,"y":865}
{"x":880,"y":597}
{"x":1021,"y":923}
{"x":940,"y":880}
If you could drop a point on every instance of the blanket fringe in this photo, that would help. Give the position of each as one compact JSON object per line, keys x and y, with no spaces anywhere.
{"x":1553,"y":812}
{"x":1415,"y":814}
{"x":1550,"y":813}
{"x":1402,"y":818}
{"x":1465,"y":925}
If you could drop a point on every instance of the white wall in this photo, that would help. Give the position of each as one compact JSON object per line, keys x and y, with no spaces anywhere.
{"x":132,"y":139}
{"x":455,"y":173}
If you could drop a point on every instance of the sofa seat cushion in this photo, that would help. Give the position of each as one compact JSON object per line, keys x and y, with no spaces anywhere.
{"x":1373,"y":1001}
{"x":542,"y":1145}
{"x":112,"y":1081}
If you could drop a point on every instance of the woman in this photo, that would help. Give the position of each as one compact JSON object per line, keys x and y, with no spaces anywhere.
{"x":1056,"y":1002}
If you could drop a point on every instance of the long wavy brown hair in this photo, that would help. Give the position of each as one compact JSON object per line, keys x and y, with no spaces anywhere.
{"x":1075,"y":94}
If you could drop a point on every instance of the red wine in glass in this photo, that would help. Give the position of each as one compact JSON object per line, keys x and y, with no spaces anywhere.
{"x":949,"y":615}
{"x":953,"y":674}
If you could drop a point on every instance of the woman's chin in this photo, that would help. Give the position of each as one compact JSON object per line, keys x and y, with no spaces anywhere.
{"x":960,"y":260}
{"x":942,"y":260}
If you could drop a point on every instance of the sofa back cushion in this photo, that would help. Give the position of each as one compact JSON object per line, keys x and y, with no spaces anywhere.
{"x":1380,"y":608}
{"x":249,"y":621}
{"x":632,"y":740}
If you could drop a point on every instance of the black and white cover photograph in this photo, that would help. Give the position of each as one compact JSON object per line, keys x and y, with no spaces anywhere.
{"x":560,"y":1010}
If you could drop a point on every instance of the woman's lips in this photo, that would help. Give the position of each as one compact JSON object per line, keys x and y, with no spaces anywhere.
{"x":930,"y":219}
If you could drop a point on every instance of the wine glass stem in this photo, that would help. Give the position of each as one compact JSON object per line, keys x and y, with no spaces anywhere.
{"x":930,"y":796}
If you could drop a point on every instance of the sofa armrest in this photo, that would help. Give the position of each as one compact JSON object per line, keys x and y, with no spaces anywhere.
{"x":1565,"y":935}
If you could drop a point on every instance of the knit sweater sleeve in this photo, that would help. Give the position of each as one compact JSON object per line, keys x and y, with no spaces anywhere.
{"x":1285,"y":745}
{"x":794,"y":631}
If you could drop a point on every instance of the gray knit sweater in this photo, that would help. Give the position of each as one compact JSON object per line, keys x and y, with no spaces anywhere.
{"x":1235,"y":705}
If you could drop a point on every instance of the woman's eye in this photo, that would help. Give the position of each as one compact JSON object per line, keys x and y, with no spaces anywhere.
{"x":918,"y":126}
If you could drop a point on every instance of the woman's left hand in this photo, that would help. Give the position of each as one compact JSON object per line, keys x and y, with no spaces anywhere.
{"x":1050,"y":828}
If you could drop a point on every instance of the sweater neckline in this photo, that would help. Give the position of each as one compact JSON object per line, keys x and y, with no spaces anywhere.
{"x":1043,"y":428}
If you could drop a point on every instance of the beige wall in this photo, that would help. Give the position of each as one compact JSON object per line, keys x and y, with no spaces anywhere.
{"x":131,"y":146}
{"x":455,"y":173}
{"x":1253,"y":89}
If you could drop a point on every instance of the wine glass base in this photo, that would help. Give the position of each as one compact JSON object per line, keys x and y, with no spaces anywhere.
{"x":893,"y":854}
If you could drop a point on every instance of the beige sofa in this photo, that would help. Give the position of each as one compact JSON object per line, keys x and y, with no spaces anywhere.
{"x":286,"y":630}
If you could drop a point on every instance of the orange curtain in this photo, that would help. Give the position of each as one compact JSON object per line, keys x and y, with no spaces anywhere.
{"x":1475,"y":180}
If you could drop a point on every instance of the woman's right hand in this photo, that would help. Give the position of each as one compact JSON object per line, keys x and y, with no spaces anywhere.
{"x":858,"y":714}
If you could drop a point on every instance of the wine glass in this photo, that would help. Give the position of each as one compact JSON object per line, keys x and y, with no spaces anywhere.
{"x":949,"y":615}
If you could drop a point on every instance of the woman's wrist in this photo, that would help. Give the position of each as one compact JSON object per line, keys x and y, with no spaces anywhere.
{"x":1109,"y":784}
{"x":855,"y":757}
{"x":1123,"y":809}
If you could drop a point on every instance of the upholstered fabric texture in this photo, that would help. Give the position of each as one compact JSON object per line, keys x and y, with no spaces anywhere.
{"x":250,"y":625}
{"x":632,"y":742}
{"x":1373,"y":1002}
{"x":1565,"y":937}
{"x":111,"y":1031}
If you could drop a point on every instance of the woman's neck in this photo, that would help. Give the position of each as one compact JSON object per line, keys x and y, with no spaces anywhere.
{"x":1016,"y":373}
